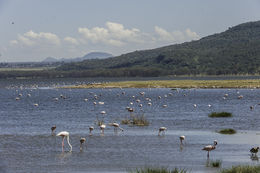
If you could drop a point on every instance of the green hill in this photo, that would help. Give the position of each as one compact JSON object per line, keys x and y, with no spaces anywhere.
{"x":235,"y":51}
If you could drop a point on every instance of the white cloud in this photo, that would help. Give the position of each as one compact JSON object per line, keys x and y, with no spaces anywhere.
{"x":113,"y":34}
{"x":31,"y":38}
{"x":175,"y":36}
{"x":13,"y":42}
{"x":163,"y":34}
{"x":71,"y":40}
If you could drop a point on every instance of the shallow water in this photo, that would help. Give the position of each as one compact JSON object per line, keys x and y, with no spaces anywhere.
{"x":26,"y":143}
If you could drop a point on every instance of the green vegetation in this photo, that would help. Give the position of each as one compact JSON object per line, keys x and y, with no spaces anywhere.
{"x":216,"y":164}
{"x":136,"y":120}
{"x":234,"y":52}
{"x":227,"y":131}
{"x":176,"y":84}
{"x":159,"y":170}
{"x":242,"y":169}
{"x":220,"y":114}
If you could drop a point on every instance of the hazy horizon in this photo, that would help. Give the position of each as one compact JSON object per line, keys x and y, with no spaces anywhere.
{"x":32,"y":30}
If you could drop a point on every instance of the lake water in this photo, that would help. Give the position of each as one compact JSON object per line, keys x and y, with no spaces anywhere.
{"x":27,"y":145}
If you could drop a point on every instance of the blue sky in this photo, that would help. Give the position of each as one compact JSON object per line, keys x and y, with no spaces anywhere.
{"x":67,"y":28}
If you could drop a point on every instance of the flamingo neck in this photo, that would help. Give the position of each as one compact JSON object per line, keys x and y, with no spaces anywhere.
{"x":69,"y":143}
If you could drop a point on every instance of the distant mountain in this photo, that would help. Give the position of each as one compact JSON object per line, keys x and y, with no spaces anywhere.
{"x":235,"y":51}
{"x":50,"y":59}
{"x":92,"y":55}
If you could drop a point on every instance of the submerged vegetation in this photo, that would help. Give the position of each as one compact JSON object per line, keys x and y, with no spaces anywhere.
{"x":227,"y":131}
{"x":136,"y":120}
{"x":159,"y":170}
{"x":216,"y":164}
{"x":175,"y":84}
{"x":242,"y":169}
{"x":220,"y":114}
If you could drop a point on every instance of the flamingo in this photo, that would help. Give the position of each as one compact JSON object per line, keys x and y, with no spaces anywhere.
{"x":90,"y":130}
{"x":254,"y":150}
{"x":102,"y":128}
{"x":64,"y":134}
{"x":103,"y":112}
{"x":82,"y":140}
{"x":162,"y":129}
{"x":116,"y":125}
{"x":52,"y":129}
{"x":210,"y":147}
{"x":182,"y":138}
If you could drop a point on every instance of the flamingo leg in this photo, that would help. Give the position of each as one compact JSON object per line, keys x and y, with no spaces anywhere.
{"x":63,"y":144}
{"x":208,"y":154}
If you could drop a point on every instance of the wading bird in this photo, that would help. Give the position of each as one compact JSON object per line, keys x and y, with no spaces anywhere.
{"x":53,"y":129}
{"x":254,"y":150}
{"x":210,"y":147}
{"x":90,"y":130}
{"x":116,"y":126}
{"x":162,"y":129}
{"x":64,"y":134}
{"x":182,"y":138}
{"x":82,"y":140}
{"x":102,"y":128}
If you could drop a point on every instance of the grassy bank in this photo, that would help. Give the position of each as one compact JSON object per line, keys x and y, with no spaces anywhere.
{"x":176,"y":84}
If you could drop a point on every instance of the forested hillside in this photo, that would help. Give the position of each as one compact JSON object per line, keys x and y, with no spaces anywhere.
{"x":235,"y":51}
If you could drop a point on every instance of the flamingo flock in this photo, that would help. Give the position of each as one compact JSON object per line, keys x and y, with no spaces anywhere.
{"x":161,"y":130}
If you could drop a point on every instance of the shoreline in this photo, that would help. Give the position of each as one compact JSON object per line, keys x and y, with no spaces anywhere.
{"x":185,"y":84}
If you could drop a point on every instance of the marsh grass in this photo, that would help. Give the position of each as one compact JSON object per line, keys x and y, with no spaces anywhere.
{"x":216,"y":163}
{"x":220,"y":114}
{"x":227,"y":131}
{"x":242,"y":169}
{"x":176,"y":84}
{"x":137,"y":120}
{"x":159,"y":170}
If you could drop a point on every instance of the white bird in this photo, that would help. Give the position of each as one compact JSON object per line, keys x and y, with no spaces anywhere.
{"x":85,"y":100}
{"x":103,"y":112}
{"x":164,"y":106}
{"x":240,"y":97}
{"x":162,"y":129}
{"x":101,"y":103}
{"x":194,"y":105}
{"x":17,"y":98}
{"x":116,"y":125}
{"x":149,"y":103}
{"x":90,"y":130}
{"x":210,"y":147}
{"x":209,"y":105}
{"x":82,"y":140}
{"x":182,"y":138}
{"x":64,"y":134}
{"x":102,"y":128}
{"x":36,"y":104}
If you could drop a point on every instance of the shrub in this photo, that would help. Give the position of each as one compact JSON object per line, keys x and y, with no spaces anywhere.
{"x":216,"y":164}
{"x":137,"y":120}
{"x":242,"y":169}
{"x":159,"y":170}
{"x":220,"y":114}
{"x":227,"y":131}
